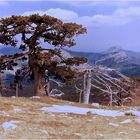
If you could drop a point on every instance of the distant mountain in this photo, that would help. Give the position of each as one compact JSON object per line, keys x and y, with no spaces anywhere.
{"x":92,"y":57}
{"x":8,"y":75}
{"x":8,"y":50}
{"x":128,"y":62}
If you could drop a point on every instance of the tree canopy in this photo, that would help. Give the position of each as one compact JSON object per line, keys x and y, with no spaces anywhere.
{"x":28,"y":33}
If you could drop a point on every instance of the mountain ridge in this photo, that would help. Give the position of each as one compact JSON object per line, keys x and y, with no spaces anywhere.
{"x":128,"y":62}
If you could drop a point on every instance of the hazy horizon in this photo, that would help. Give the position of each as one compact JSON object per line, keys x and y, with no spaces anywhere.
{"x":73,"y":49}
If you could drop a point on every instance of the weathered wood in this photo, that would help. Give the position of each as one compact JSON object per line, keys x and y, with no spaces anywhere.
{"x":87,"y":87}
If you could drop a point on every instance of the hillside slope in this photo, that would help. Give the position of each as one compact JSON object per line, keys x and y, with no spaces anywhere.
{"x":128,"y":62}
{"x":50,"y":118}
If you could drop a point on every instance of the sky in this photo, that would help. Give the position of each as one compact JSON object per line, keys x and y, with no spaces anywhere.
{"x":109,"y":23}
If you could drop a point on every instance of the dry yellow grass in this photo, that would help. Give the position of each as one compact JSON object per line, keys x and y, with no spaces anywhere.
{"x":36,"y":124}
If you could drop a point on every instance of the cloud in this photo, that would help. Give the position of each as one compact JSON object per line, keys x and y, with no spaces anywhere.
{"x":119,"y":17}
{"x":57,"y":12}
{"x":128,"y":12}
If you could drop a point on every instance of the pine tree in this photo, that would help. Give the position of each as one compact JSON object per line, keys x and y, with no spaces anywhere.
{"x":28,"y":33}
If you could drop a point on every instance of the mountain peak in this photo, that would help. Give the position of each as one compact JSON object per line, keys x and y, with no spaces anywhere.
{"x":113,"y":49}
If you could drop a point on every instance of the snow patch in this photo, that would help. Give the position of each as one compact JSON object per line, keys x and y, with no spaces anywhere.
{"x":52,"y":115}
{"x":126,"y":121}
{"x":13,"y":96}
{"x":35,"y":97}
{"x":45,"y":132}
{"x":81,"y":111}
{"x":78,"y":134}
{"x":95,"y":105}
{"x":84,"y":111}
{"x":114,"y":124}
{"x":122,"y":133}
{"x":5,"y":114}
{"x":9,"y":125}
{"x":138,"y":120}
{"x":89,"y":120}
{"x":17,"y":109}
{"x":133,"y":112}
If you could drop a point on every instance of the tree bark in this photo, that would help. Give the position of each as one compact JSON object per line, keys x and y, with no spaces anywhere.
{"x":39,"y":90}
{"x":47,"y":86}
{"x":80,"y":96}
{"x":87,"y":87}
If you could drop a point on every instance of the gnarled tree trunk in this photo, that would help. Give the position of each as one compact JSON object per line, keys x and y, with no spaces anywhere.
{"x":39,"y":89}
{"x":87,"y":87}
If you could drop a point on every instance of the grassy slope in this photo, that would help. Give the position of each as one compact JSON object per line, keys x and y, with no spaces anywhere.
{"x":33,"y":122}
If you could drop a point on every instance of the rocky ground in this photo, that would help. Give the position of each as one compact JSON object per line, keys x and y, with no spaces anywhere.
{"x":39,"y":118}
